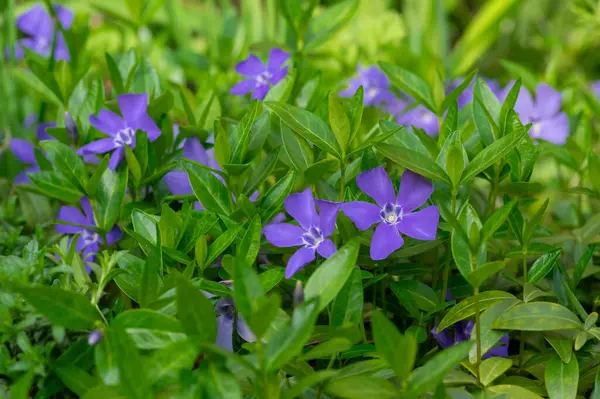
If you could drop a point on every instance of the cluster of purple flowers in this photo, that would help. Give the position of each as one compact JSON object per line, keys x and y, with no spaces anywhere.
{"x":392,"y":214}
{"x":549,"y":123}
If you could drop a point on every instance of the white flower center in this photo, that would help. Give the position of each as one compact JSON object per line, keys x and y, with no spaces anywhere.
{"x":89,"y":237}
{"x":41,"y":43}
{"x":371,"y":92}
{"x":536,"y":129}
{"x":124,"y":137}
{"x":313,"y":237}
{"x":263,"y":79}
{"x":391,"y":213}
{"x":427,"y":117}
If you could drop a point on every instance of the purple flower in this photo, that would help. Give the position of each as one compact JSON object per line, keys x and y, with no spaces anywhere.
{"x":393,"y":215}
{"x":121,"y":130}
{"x":420,"y":117}
{"x":544,"y":113}
{"x":225,"y":310}
{"x":260,"y":76}
{"x":311,"y":234}
{"x":89,"y":241}
{"x":95,"y":337}
{"x":39,"y":26}
{"x":24,"y":151}
{"x":467,"y":95}
{"x":375,"y":83}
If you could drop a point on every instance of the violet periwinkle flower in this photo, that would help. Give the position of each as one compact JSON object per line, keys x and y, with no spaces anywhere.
{"x":420,"y":117}
{"x":311,"y":234}
{"x":462,"y":332}
{"x":544,"y":113}
{"x":261,"y":77}
{"x":40,"y":26}
{"x":226,"y":313}
{"x":89,"y":240}
{"x":122,"y":130}
{"x":394,"y":215}
{"x":24,"y":151}
{"x":94,"y":337}
{"x":375,"y":83}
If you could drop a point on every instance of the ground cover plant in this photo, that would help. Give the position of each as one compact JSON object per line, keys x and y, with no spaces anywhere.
{"x":299,"y":199}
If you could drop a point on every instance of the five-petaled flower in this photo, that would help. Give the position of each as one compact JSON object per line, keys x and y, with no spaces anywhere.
{"x":375,"y":83}
{"x":40,"y":27}
{"x":311,"y":234}
{"x":89,"y":240}
{"x":121,"y":130}
{"x":393,"y":215}
{"x":260,"y":76}
{"x":544,"y":113}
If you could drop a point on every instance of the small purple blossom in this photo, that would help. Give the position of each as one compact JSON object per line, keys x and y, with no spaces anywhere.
{"x":375,"y":83}
{"x":89,"y":240}
{"x":549,"y":123}
{"x":24,"y":151}
{"x":226,"y":313}
{"x":95,"y":337}
{"x":393,"y":215}
{"x":39,"y":26}
{"x":261,"y":77}
{"x":122,"y":130}
{"x":311,"y":234}
{"x":420,"y":117}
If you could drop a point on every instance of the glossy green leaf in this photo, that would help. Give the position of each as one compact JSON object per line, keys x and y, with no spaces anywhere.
{"x":495,"y":221}
{"x":561,"y":379}
{"x":273,"y":199}
{"x":109,"y":198}
{"x":483,"y":272}
{"x":535,"y":220}
{"x":400,"y":351}
{"x":244,"y":129}
{"x":359,"y":387}
{"x":582,"y":264}
{"x":488,"y":336}
{"x":132,"y":368}
{"x":509,"y":103}
{"x":262,"y":171}
{"x":538,"y":316}
{"x":347,"y":307}
{"x":221,"y":244}
{"x":410,"y":84}
{"x":54,"y":185}
{"x":297,"y":152}
{"x":466,"y":308}
{"x":209,"y":190}
{"x":423,"y":296}
{"x":195,"y":312}
{"x":149,"y":329}
{"x":340,"y":124}
{"x":543,"y":266}
{"x":457,"y":91}
{"x":65,"y":160}
{"x":415,"y":161}
{"x":76,"y":379}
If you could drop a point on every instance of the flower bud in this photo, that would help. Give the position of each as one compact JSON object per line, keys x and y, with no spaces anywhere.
{"x":298,"y":293}
{"x":95,"y":337}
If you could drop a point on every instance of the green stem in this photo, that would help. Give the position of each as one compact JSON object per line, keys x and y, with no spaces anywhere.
{"x":449,"y":256}
{"x":342,"y":180}
{"x":490,"y":205}
{"x":522,"y":335}
{"x":477,"y":332}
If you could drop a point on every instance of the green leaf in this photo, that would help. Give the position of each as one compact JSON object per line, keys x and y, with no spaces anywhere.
{"x":340,"y":124}
{"x":243,"y":133}
{"x":513,"y":391}
{"x":492,"y":368}
{"x":201,"y":252}
{"x":493,"y":223}
{"x":109,"y":198}
{"x":307,"y":125}
{"x":132,"y":368}
{"x":54,"y":185}
{"x":288,"y":342}
{"x":145,"y":225}
{"x":66,"y":161}
{"x":410,"y":84}
{"x":115,"y":75}
{"x":195,"y":312}
{"x":76,"y":379}
{"x":298,"y":155}
{"x":347,"y":307}
{"x":415,"y":161}
{"x":106,"y":362}
{"x":455,"y":159}
{"x":247,"y":290}
{"x":133,"y":165}
{"x":64,"y":308}
{"x":222,"y":148}
{"x":423,"y":296}
{"x":221,"y":244}
{"x":483,"y":272}
{"x":543,"y":266}
{"x":360,"y":387}
{"x":218,"y":382}
{"x":209,"y":190}
{"x":354,"y":111}
{"x":427,"y":377}
{"x":302,"y":384}
{"x":466,"y":308}
{"x":149,"y":329}
{"x":272,"y":201}
{"x":327,"y":23}
{"x":327,"y":348}
{"x":596,"y":392}
{"x":145,"y":79}
{"x":327,"y":281}
{"x":538,"y":316}
{"x":563,"y":347}
{"x":46,"y":77}
{"x":495,"y":151}
{"x":264,"y":170}
{"x":582,"y":264}
{"x":593,"y":170}
{"x":94,"y":181}
{"x":150,"y":278}
{"x":169,"y":361}
{"x":535,"y":220}
{"x":400,"y":351}
{"x":247,"y":251}
{"x":450,"y":123}
{"x":457,"y":91}
{"x":509,"y":103}
{"x":561,"y":378}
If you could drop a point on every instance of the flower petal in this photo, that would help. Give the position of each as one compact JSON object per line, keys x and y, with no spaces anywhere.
{"x":327,"y":215}
{"x":301,"y":206}
{"x":194,"y":150}
{"x":554,"y":130}
{"x":443,"y":338}
{"x":377,"y":184}
{"x":414,"y":191}
{"x":251,"y":66}
{"x":243,"y":87}
{"x":283,"y":234}
{"x":363,"y":214}
{"x":225,"y":332}
{"x":260,"y":92}
{"x":72,"y":215}
{"x":178,"y":183}
{"x":385,"y":241}
{"x":88,"y":212}
{"x":421,"y":225}
{"x":244,"y":330}
{"x":41,"y":133}
{"x":326,"y":248}
{"x":301,"y":258}
{"x":23,"y":151}
{"x":524,"y":106}
{"x":278,"y":76}
{"x":107,"y":122}
{"x":115,"y":158}
{"x":114,"y":235}
{"x":276,"y":59}
{"x":62,"y":51}
{"x":97,"y":147}
{"x":65,"y":16}
{"x":547,"y":101}
{"x":134,"y":108}
{"x":353,"y":85}
{"x":35,"y":22}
